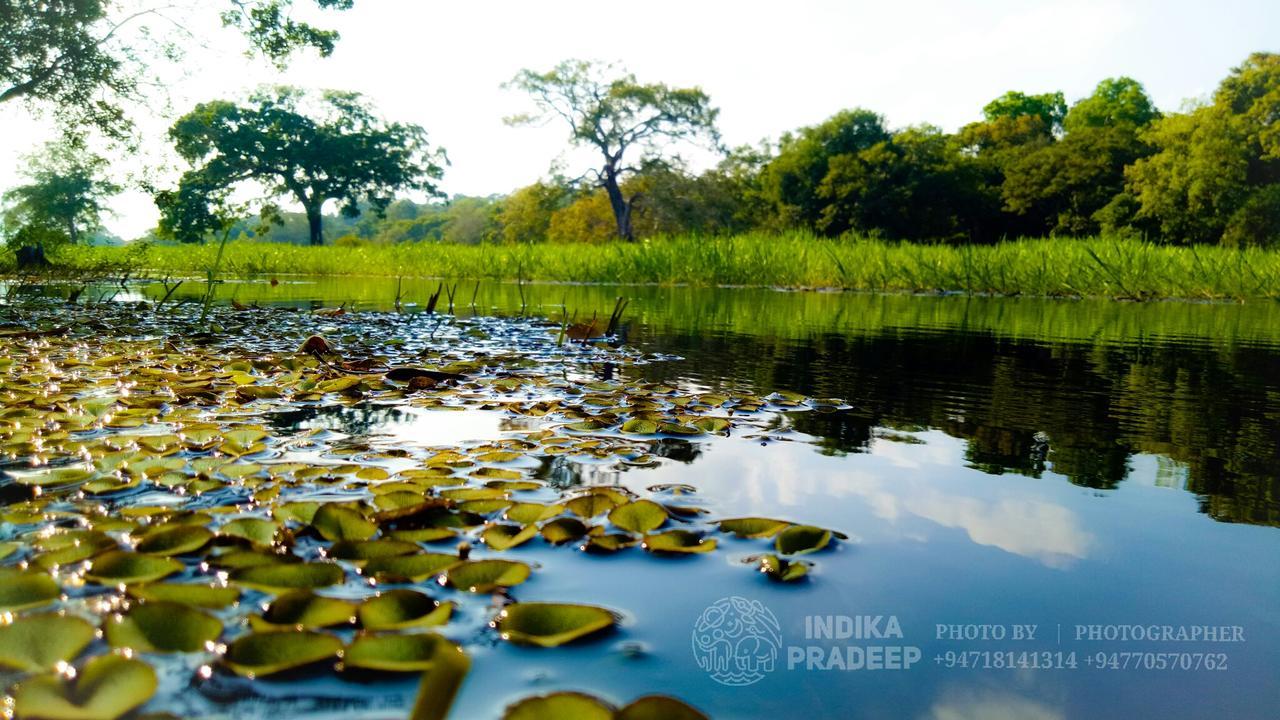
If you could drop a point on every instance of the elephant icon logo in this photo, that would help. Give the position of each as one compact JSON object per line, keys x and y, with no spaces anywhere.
{"x":737,"y":641}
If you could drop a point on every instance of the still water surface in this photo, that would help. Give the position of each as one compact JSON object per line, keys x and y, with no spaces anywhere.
{"x":1004,"y":462}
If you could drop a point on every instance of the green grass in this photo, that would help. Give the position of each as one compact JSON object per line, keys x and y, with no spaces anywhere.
{"x":1094,"y":267}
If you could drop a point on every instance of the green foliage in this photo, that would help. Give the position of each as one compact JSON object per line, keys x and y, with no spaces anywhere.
{"x":312,"y":149}
{"x":609,"y":111}
{"x":1048,"y":109}
{"x":64,"y":199}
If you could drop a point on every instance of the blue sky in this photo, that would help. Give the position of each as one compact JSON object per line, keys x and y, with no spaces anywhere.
{"x":769,"y":66}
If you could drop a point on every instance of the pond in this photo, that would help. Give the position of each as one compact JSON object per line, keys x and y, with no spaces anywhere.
{"x":1049,"y":508}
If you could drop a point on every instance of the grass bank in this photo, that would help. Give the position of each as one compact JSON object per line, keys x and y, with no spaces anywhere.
{"x":1094,"y":267}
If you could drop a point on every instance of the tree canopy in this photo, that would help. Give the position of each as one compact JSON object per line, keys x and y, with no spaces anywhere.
{"x":608,"y":110}
{"x":64,"y":198}
{"x":289,"y":143}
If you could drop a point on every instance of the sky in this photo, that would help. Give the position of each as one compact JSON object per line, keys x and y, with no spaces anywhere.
{"x":769,"y":66}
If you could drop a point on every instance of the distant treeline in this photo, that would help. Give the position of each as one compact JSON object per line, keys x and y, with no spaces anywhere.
{"x":1034,"y":166}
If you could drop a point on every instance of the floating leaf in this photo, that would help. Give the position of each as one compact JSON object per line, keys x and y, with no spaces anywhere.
{"x":487,"y":575}
{"x":36,"y":643}
{"x":440,"y":684}
{"x":205,"y":596}
{"x":395,"y":653}
{"x":551,"y":624}
{"x":658,"y":707}
{"x":26,"y":589}
{"x":258,"y":654}
{"x":304,"y":609}
{"x":640,"y":426}
{"x":678,"y":541}
{"x":559,"y":706}
{"x":398,"y":609}
{"x":336,"y":522}
{"x":640,"y":516}
{"x":255,"y":530}
{"x":563,"y":530}
{"x":528,"y":513}
{"x":783,"y":570}
{"x":800,"y":539}
{"x":362,"y":550}
{"x":122,"y":568}
{"x":291,"y":576}
{"x":176,"y":540}
{"x":608,"y":543}
{"x":106,"y":688}
{"x":753,"y":527}
{"x":591,"y":505}
{"x":411,"y":568}
{"x":162,"y":627}
{"x":505,"y":536}
{"x":54,"y":477}
{"x":711,"y":424}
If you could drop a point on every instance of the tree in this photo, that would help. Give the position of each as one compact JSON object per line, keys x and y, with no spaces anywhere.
{"x":312,"y":149}
{"x":66,"y":194}
{"x":613,"y":115}
{"x":1048,"y":109}
{"x":1215,"y":169}
{"x":87,"y":59}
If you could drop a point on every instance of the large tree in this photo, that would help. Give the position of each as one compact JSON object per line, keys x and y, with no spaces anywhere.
{"x":65,"y":195}
{"x":312,"y":149}
{"x":86,"y":60}
{"x":609,"y":111}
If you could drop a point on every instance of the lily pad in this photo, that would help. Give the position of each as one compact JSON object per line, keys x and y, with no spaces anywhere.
{"x":211,"y":597}
{"x":800,"y":539}
{"x":411,"y":568}
{"x":486,"y":575}
{"x":526,"y":513}
{"x":658,"y":707}
{"x":123,"y":568}
{"x":258,"y":654}
{"x":162,"y":627}
{"x":289,"y":576}
{"x":26,"y":589}
{"x":303,"y":609}
{"x":255,"y":530}
{"x":678,"y":541}
{"x":398,"y":609}
{"x":504,"y":536}
{"x":106,"y":688}
{"x":610,"y":542}
{"x":640,"y":516}
{"x":335,"y":522}
{"x":394,"y":653}
{"x":36,"y":643}
{"x":364,"y":550}
{"x":640,"y":426}
{"x":783,"y":570}
{"x":753,"y":527}
{"x":591,"y":504}
{"x":559,"y":706}
{"x":563,"y":530}
{"x":177,"y":540}
{"x":551,"y":624}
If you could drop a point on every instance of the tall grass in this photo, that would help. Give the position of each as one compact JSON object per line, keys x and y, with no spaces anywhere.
{"x":1087,"y":267}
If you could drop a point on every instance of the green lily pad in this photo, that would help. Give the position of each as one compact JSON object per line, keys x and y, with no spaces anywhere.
{"x":162,"y":627}
{"x":290,"y":576}
{"x":211,"y":597}
{"x":123,"y":568}
{"x":711,"y":424}
{"x":363,"y":550}
{"x":640,"y":516}
{"x":678,"y":541}
{"x":609,"y":542}
{"x":640,"y":426}
{"x":335,"y":522}
{"x":176,"y":540}
{"x":106,"y":688}
{"x":411,"y":568}
{"x":258,"y":654}
{"x":591,"y":504}
{"x":36,"y":643}
{"x":303,"y":609}
{"x":563,"y":530}
{"x":425,"y":535}
{"x":54,"y":477}
{"x":551,"y":624}
{"x":559,"y":706}
{"x":783,"y":570}
{"x":256,"y":530}
{"x":800,"y":539}
{"x":302,"y":512}
{"x":394,"y":653}
{"x":26,"y":589}
{"x":528,"y":513}
{"x":753,"y":527}
{"x":486,"y":575}
{"x":658,"y":707}
{"x":397,"y":609}
{"x":504,"y":536}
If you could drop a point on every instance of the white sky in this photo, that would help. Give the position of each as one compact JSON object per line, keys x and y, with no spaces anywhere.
{"x":769,"y":66}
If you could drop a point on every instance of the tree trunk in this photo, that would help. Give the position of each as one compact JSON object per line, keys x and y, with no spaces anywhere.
{"x":314,"y":221}
{"x":621,"y":208}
